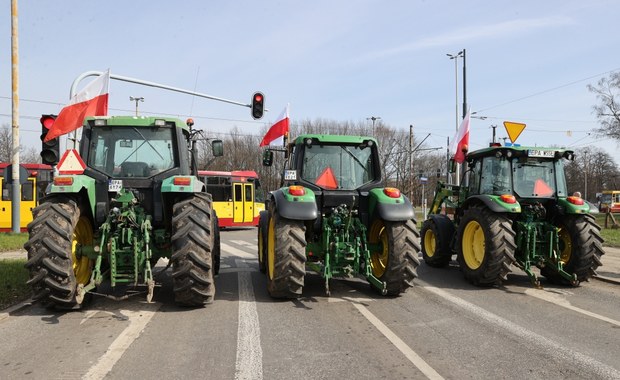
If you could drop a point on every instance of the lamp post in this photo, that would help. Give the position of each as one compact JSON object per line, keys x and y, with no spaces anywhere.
{"x":456,"y":93}
{"x":373,"y":118}
{"x":136,"y":99}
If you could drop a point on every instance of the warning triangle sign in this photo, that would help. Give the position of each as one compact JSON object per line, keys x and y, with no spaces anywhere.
{"x":514,"y":130}
{"x":71,"y":163}
{"x":327,"y":180}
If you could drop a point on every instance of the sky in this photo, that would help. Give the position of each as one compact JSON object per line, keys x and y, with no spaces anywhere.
{"x":527,"y":62}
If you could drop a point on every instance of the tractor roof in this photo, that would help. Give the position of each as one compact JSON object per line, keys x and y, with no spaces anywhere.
{"x":518,"y":151}
{"x":137,"y":121}
{"x":334,"y":139}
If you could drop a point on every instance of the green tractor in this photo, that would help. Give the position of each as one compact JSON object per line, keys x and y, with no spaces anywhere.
{"x":513,"y":208}
{"x":333,"y":216}
{"x":137,"y":199}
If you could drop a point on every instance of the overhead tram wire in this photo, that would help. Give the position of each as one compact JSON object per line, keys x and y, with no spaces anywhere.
{"x":549,"y":90}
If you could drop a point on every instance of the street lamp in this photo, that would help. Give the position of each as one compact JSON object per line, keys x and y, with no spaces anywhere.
{"x":136,"y":99}
{"x":373,"y":118}
{"x":456,"y":93}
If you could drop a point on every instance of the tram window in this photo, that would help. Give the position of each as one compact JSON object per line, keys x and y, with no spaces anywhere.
{"x":28,"y":191}
{"x":238,"y":193}
{"x":6,"y":191}
{"x":248,"y":193}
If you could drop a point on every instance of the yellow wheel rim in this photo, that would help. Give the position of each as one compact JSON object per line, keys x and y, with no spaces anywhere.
{"x":260,"y":246}
{"x":271,"y":247}
{"x":473,"y":245}
{"x":430,"y":242}
{"x":566,"y":245}
{"x":379,"y":259}
{"x":82,"y":235}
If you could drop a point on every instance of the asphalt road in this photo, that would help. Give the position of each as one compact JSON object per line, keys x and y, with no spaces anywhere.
{"x":441,"y":328}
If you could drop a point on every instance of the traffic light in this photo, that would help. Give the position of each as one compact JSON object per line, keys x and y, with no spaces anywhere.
{"x":50,"y":150}
{"x":258,"y":105}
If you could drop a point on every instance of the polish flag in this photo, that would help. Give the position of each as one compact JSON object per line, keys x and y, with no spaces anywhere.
{"x":275,"y":134}
{"x":91,"y":101}
{"x":460,"y":143}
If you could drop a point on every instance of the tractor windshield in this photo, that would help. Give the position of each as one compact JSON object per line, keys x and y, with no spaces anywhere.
{"x":537,"y":178}
{"x":331,"y":167}
{"x":132,"y":152}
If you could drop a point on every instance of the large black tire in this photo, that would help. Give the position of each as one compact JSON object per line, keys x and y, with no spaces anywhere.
{"x":580,"y":248}
{"x":485,"y":246}
{"x":263,"y":225}
{"x":397,"y":261}
{"x":217,"y":249}
{"x":192,"y":261}
{"x":286,"y":257}
{"x":57,"y":231}
{"x":437,"y":233}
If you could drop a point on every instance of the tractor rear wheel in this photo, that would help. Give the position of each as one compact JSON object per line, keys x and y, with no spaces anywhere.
{"x":286,"y":257}
{"x":217,"y":250}
{"x":437,"y":234}
{"x":581,"y":248}
{"x":57,"y":232}
{"x":192,"y":261}
{"x":485,"y":246}
{"x":263,"y":222}
{"x":397,"y":261}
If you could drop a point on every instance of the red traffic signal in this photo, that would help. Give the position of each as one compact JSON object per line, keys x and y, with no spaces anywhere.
{"x":49,"y":149}
{"x":258,"y":105}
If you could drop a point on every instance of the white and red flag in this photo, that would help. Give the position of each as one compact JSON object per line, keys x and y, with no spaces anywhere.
{"x":91,"y":101}
{"x":275,"y":134}
{"x":460,"y":143}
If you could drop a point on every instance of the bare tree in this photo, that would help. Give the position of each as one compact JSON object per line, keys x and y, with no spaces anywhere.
{"x":607,"y":111}
{"x":594,"y":167}
{"x":28,"y":155}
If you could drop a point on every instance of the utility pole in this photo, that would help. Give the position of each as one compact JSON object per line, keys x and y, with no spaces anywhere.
{"x":15,"y":185}
{"x":411,"y":162}
{"x":373,"y":118}
{"x":493,"y":126}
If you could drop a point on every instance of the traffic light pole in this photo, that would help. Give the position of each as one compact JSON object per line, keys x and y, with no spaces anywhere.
{"x":87,"y":74}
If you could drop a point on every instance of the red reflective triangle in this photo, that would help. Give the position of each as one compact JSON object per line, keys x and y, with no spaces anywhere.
{"x":327,"y":179}
{"x":541,"y":188}
{"x":71,"y":163}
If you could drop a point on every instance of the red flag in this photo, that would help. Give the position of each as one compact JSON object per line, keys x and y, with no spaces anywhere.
{"x":460,"y":144}
{"x":91,"y":101}
{"x":275,"y":134}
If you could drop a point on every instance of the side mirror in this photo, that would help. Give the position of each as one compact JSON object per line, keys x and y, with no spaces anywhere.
{"x":267,"y":158}
{"x":217,"y":146}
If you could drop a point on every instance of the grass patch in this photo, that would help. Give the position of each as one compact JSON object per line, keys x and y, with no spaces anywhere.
{"x":611,"y":235}
{"x":13,"y":288}
{"x":11,"y":242}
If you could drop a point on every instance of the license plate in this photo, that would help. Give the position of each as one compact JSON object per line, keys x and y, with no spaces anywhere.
{"x":541,"y":153}
{"x":115,"y":185}
{"x":290,"y":175}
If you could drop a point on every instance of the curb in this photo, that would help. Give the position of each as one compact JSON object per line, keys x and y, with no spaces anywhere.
{"x":607,"y":279}
{"x":4,"y":314}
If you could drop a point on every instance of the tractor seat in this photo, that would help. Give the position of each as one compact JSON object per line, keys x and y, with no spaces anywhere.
{"x":135,"y":169}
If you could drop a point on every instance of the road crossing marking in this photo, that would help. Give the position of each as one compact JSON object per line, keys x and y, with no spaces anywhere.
{"x":238,"y":252}
{"x":559,"y":300}
{"x":557,"y":351}
{"x":414,"y":358}
{"x":249,"y":363}
{"x":138,"y":320}
{"x":244,"y":243}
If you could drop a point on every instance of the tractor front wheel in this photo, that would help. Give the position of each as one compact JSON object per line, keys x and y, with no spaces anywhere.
{"x":485,"y":246}
{"x":396,"y":262}
{"x":263,"y":224}
{"x":437,"y":234}
{"x":580,"y":244}
{"x":192,"y":261}
{"x":57,"y":234}
{"x":286,"y":257}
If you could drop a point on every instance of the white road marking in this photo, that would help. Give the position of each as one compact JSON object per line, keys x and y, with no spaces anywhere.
{"x":559,"y":300}
{"x":557,"y":351}
{"x":137,"y":322}
{"x":414,"y":358}
{"x":249,"y":364}
{"x":244,"y":243}
{"x":350,"y":299}
{"x":238,"y":252}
